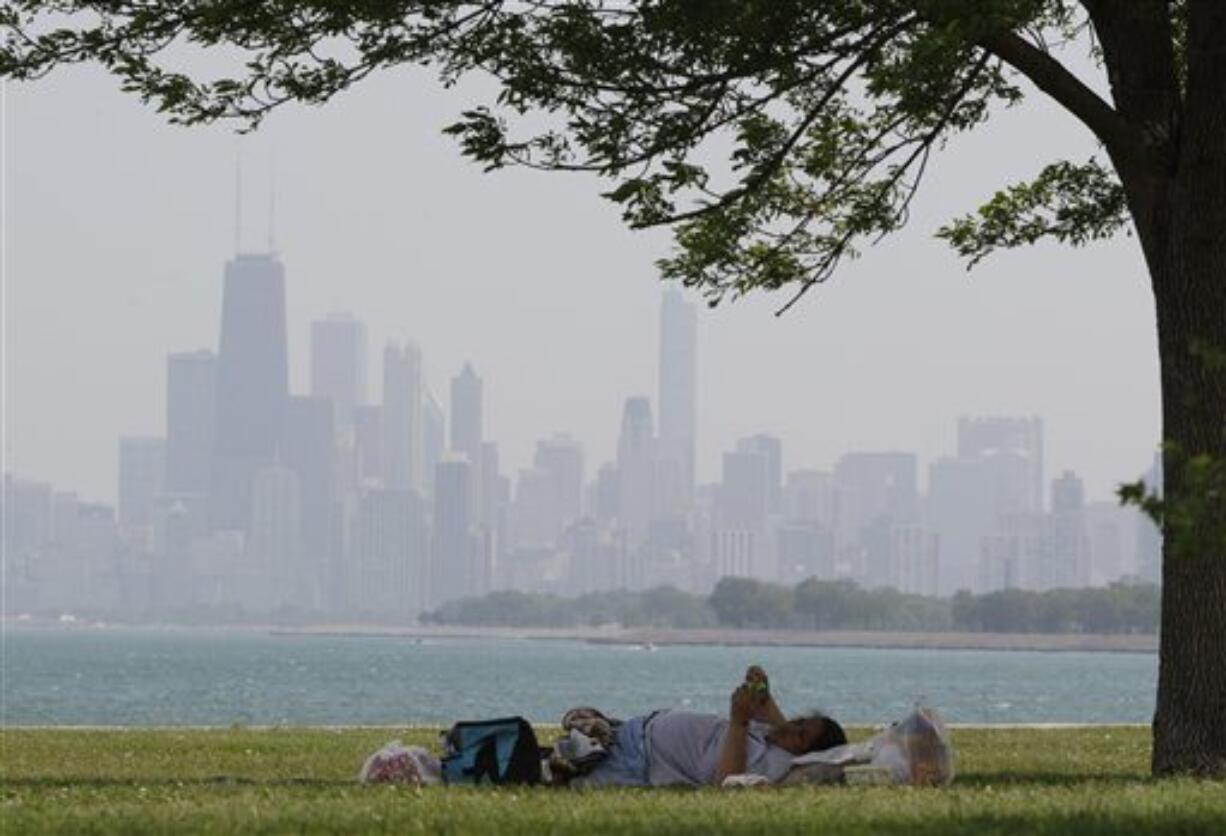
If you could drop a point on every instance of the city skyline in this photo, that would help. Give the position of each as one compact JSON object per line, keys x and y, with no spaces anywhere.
{"x":505,"y":270}
{"x":326,"y":504}
{"x":321,"y":384}
{"x":345,"y":332}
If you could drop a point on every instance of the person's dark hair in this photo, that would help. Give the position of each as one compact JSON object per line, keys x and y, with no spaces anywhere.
{"x":832,"y":733}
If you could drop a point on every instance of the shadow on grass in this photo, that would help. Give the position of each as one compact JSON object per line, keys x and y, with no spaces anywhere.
{"x":1051,"y":779}
{"x":987,"y":824}
{"x":49,"y":783}
{"x":964,"y":781}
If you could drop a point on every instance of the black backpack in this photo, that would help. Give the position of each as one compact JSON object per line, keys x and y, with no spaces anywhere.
{"x":501,"y":751}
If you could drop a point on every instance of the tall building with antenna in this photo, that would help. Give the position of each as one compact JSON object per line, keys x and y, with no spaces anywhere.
{"x":252,"y":377}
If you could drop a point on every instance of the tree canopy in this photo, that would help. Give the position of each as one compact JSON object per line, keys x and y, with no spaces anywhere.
{"x":776,"y":136}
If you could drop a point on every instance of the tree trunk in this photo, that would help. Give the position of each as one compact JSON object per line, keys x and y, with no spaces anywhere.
{"x":1190,"y":294}
{"x":1190,"y":721}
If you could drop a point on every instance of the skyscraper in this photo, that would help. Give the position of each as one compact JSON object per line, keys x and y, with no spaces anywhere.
{"x":308,"y":448}
{"x":811,"y":496}
{"x":998,"y":472}
{"x":739,"y":542}
{"x":467,"y":408}
{"x":877,"y":485}
{"x":455,"y":544}
{"x":142,"y":472}
{"x":1149,"y":536}
{"x":594,"y":558}
{"x":562,"y":458}
{"x":433,"y":437}
{"x":878,"y":491}
{"x":389,"y":572}
{"x":535,"y":522}
{"x":605,"y":494}
{"x":191,"y":420}
{"x":252,"y":383}
{"x":678,"y":410}
{"x":367,"y":434}
{"x":274,"y":573}
{"x":27,"y":511}
{"x":1067,"y":494}
{"x":1017,"y":445}
{"x":496,"y":491}
{"x":400,"y":439}
{"x":466,"y":413}
{"x":636,"y":460}
{"x":744,"y":494}
{"x":1071,"y":559}
{"x":962,"y":511}
{"x":338,"y":364}
{"x":771,"y":449}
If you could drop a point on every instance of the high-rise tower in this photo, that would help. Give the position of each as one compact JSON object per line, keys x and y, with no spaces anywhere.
{"x":142,"y":471}
{"x":308,"y":449}
{"x":467,"y":418}
{"x":400,"y":438}
{"x":1013,"y":448}
{"x":338,"y":364}
{"x":562,"y":458}
{"x":191,"y":420}
{"x":678,"y":393}
{"x":636,"y":458}
{"x":771,"y":449}
{"x":433,"y":437}
{"x":453,"y":572}
{"x":467,"y":405}
{"x":252,"y":383}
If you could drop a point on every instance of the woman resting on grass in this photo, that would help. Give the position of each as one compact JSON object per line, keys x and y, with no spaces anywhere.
{"x":671,"y":748}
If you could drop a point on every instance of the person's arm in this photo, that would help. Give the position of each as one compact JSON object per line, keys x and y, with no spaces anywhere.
{"x":733,"y":751}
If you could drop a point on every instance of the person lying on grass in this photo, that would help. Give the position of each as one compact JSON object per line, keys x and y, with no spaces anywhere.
{"x":671,"y":748}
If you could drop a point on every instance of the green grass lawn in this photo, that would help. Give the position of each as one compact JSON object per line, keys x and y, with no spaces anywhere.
{"x":1081,"y":781}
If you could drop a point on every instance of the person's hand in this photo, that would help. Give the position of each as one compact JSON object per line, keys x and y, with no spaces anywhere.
{"x":756,"y":679}
{"x":760,"y":689}
{"x":741,"y":706}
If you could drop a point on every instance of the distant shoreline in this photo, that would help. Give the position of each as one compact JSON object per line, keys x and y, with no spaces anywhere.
{"x":663,"y":637}
{"x":659,"y":637}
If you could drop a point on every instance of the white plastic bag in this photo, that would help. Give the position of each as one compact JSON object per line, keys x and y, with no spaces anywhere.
{"x":916,"y":750}
{"x":396,"y":763}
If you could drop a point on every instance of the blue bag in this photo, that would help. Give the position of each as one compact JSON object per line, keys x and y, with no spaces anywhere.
{"x":503,"y":751}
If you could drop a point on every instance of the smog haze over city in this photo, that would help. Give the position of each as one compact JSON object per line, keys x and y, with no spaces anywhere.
{"x":481,"y":384}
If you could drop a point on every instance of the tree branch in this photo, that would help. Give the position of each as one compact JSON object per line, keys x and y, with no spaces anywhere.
{"x":1054,"y":79}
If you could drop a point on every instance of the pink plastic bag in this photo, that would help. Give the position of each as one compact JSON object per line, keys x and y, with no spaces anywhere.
{"x":396,"y":763}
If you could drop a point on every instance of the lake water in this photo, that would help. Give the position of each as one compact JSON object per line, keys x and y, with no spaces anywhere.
{"x":178,"y":677}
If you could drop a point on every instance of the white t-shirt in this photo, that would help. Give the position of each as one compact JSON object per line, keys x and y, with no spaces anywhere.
{"x":683,"y":748}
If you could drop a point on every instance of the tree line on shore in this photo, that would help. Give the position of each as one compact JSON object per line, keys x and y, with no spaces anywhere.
{"x":743,"y":603}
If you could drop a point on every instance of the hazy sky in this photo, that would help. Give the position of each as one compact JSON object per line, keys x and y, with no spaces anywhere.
{"x":119,"y":225}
